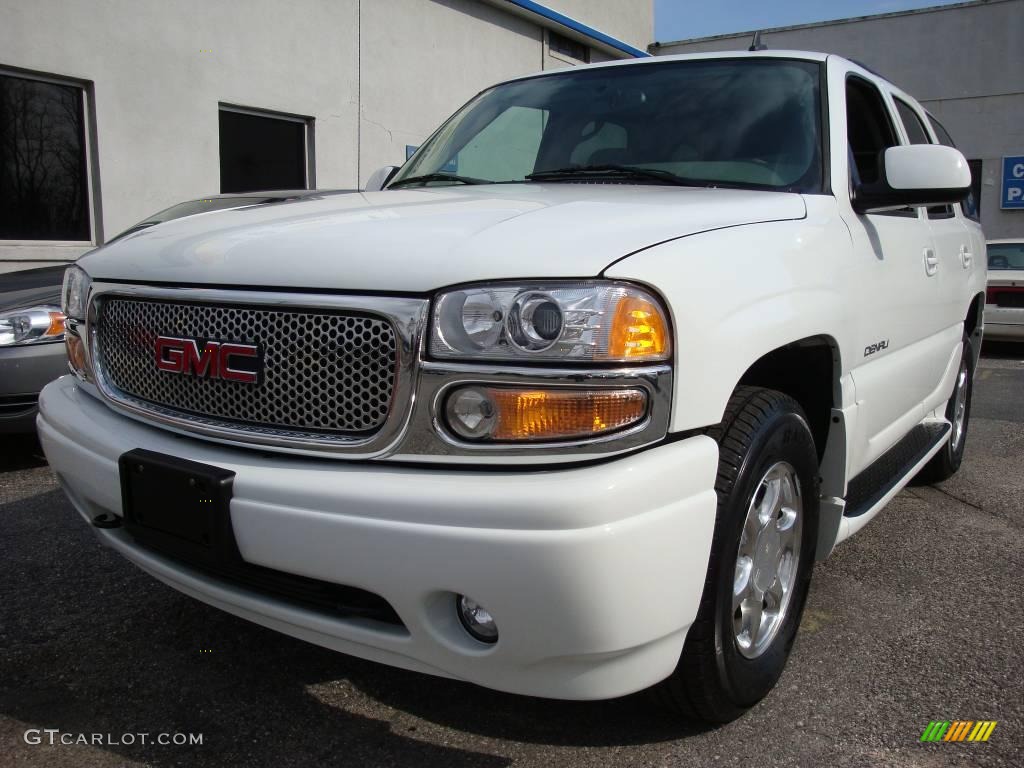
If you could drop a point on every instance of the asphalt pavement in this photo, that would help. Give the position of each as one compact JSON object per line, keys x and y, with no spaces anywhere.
{"x":920,"y":617}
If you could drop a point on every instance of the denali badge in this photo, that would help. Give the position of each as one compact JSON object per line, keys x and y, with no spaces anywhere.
{"x":217,"y":360}
{"x":878,"y":346}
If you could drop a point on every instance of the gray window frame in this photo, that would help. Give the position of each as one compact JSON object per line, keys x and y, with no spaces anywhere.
{"x":309,"y":134}
{"x":92,"y":170}
{"x":552,"y":39}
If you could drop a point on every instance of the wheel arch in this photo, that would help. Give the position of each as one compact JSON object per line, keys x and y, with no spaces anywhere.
{"x":974,"y":324}
{"x":810,"y":371}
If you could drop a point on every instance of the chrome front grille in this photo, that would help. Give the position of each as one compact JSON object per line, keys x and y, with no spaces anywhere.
{"x":325,"y":373}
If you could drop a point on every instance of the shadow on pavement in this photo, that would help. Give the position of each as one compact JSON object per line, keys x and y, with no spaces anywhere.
{"x":89,"y":644}
{"x":636,"y":719}
{"x":20,"y":452}
{"x":1002,"y":350}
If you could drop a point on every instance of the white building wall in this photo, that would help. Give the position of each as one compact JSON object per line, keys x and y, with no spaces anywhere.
{"x":423,"y":60}
{"x":632,"y":21}
{"x":159,"y":71}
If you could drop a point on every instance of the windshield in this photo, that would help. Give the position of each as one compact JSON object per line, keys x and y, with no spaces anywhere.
{"x":729,"y":122}
{"x":1006,"y":256}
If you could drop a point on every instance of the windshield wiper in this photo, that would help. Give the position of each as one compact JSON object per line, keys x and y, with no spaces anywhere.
{"x":612,"y":170}
{"x":436,"y":177}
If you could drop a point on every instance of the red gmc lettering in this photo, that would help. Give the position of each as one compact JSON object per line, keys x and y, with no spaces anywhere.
{"x":214,"y":361}
{"x":170,"y":354}
{"x":203,"y":363}
{"x":227,"y":351}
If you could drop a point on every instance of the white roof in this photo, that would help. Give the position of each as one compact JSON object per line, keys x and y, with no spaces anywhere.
{"x":649,"y":60}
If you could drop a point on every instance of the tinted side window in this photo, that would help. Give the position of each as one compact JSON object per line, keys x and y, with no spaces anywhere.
{"x":869,"y":129}
{"x":944,"y":138}
{"x":971,"y":205}
{"x":912,"y":123}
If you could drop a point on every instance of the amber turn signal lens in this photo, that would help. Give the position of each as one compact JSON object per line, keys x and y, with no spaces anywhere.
{"x":507,"y":414}
{"x":56,"y":324}
{"x":638,"y":331}
{"x":76,"y":353}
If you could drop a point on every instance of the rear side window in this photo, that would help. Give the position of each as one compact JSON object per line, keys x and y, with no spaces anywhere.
{"x":944,"y":138}
{"x":912,"y":123}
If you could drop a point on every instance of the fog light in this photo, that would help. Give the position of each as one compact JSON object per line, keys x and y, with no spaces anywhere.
{"x":477,"y":621}
{"x":471,"y":413}
{"x":511,"y":414}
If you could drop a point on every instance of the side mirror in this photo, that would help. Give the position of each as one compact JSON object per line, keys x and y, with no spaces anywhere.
{"x":915,"y":175}
{"x":379,"y":178}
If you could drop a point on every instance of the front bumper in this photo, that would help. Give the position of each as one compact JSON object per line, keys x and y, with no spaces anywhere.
{"x":593,"y":574}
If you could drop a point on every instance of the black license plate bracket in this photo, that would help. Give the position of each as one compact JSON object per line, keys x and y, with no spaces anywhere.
{"x":178,"y":507}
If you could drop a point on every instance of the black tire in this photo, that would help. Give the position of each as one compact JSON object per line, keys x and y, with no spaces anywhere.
{"x":713,"y":680}
{"x":944,"y":464}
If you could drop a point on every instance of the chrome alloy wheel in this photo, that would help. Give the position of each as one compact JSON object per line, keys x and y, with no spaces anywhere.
{"x":767,"y":560}
{"x":959,"y":407}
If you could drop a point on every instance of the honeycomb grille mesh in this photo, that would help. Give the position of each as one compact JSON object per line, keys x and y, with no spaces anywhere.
{"x":322,"y":372}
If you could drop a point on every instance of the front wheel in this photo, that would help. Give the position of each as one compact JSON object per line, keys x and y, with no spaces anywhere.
{"x":761,"y":558}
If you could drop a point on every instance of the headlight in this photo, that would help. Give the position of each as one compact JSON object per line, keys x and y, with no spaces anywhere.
{"x":75,"y":292}
{"x":575,"y":322}
{"x":33,"y":325}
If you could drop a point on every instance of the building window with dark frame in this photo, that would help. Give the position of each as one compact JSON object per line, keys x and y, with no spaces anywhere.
{"x":566,"y":48}
{"x":44,"y":181}
{"x":264,"y":151}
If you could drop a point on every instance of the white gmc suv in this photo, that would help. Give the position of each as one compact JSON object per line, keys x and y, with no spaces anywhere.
{"x":568,"y":405}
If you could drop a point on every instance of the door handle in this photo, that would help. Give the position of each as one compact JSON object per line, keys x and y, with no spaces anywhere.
{"x":966,"y":257}
{"x":931,"y":262}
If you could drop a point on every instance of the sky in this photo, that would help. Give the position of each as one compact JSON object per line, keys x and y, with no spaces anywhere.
{"x":682,"y":19}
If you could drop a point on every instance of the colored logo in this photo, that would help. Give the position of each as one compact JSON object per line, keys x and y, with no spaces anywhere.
{"x":213,"y":361}
{"x":958,"y":730}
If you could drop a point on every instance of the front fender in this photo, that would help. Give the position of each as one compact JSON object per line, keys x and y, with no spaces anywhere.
{"x":737,"y":294}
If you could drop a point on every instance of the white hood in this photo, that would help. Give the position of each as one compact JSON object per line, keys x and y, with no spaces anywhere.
{"x":417,"y":240}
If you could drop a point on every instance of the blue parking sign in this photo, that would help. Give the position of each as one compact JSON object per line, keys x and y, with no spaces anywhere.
{"x":1013,"y":182}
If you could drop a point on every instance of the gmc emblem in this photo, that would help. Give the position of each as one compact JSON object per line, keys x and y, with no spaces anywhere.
{"x":216,"y":360}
